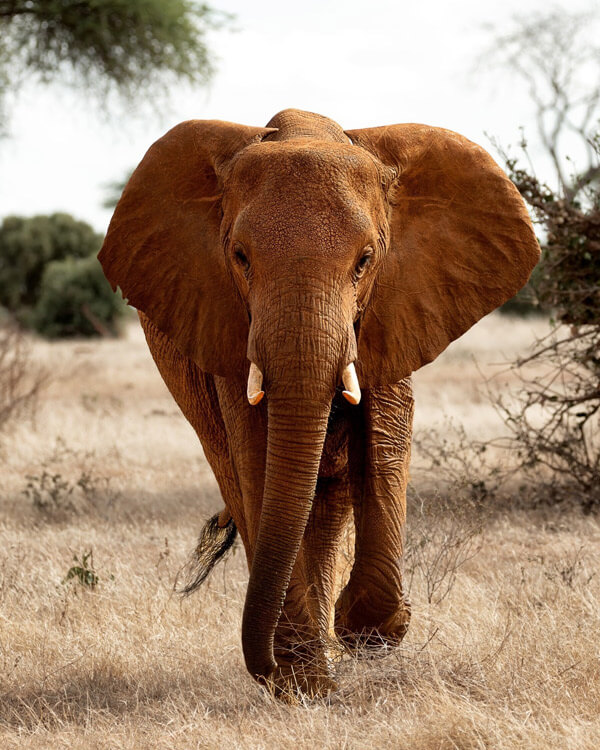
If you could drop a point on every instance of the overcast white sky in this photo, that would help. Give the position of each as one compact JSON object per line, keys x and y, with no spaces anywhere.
{"x":361,"y":62}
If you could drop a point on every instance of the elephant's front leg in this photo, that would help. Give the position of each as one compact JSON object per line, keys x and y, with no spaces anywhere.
{"x":302,"y":633}
{"x":372,"y":610}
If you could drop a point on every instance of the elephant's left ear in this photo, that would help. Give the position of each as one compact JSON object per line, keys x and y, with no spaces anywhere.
{"x":163,"y":246}
{"x":461,"y":244}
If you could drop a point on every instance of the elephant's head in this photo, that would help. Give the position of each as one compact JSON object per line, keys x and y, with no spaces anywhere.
{"x":298,"y":256}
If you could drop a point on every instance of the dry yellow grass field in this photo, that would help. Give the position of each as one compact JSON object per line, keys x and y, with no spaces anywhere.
{"x":509,"y":658}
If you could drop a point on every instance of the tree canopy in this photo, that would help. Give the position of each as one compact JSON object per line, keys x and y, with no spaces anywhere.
{"x":132,"y":47}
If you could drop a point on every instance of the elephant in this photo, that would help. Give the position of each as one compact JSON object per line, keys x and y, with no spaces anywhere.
{"x":289,"y":279}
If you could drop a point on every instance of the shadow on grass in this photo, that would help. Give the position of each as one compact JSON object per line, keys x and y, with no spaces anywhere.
{"x":85,"y":692}
{"x":185,"y":505}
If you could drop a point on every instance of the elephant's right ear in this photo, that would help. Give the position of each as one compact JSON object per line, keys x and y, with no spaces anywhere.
{"x":163,"y":245}
{"x":461,"y":244}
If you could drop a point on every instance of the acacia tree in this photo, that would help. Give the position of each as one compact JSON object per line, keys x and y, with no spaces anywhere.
{"x":132,"y":47}
{"x":556,"y":423}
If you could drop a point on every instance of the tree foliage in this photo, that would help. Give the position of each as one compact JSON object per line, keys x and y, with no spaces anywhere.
{"x":50,"y":279}
{"x":133,"y":47}
{"x":27,"y":245}
{"x":75,"y":300}
{"x":114,"y":190}
{"x":568,"y":276}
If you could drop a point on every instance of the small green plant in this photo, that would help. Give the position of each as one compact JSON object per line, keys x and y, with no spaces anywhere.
{"x":83,"y":571}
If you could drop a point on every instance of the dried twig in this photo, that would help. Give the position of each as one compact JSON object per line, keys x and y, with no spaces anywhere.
{"x":20,"y":379}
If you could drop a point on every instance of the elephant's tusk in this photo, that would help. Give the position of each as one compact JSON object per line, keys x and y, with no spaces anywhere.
{"x":255,"y":378}
{"x":352,"y":392}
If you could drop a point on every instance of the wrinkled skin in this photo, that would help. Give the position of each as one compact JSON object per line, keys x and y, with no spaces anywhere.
{"x":303,"y":248}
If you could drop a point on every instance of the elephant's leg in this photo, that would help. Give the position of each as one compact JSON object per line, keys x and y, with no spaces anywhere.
{"x":246,"y":428}
{"x":372,"y":610}
{"x":302,"y":632}
{"x":195,"y":394}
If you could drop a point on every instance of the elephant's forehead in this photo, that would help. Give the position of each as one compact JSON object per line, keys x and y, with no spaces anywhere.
{"x":308,"y":193}
{"x":305,"y":166}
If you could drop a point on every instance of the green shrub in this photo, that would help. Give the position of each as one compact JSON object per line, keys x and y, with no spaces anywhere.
{"x":522,"y":304}
{"x":27,"y":245}
{"x":50,"y":279}
{"x":527,"y":302}
{"x":555,"y":423}
{"x":76,"y":300}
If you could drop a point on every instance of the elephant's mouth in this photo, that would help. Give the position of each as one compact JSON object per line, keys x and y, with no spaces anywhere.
{"x":334,"y":458}
{"x":351,"y":391}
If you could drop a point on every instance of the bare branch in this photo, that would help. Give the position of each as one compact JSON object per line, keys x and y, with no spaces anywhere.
{"x":557,"y":55}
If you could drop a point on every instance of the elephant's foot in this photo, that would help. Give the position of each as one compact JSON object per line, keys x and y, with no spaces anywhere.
{"x":303,"y":671}
{"x":292,"y":682}
{"x":369,"y":630}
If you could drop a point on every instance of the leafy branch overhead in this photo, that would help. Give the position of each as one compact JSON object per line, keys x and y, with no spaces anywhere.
{"x":133,"y":47}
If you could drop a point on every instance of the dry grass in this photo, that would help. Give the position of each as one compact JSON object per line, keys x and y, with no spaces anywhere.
{"x":509,"y":658}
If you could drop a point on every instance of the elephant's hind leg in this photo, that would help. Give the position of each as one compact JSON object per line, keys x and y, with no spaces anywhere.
{"x":372,"y":610}
{"x":195,"y":394}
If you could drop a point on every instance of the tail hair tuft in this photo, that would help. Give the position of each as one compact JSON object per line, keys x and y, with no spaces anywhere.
{"x":213,"y":544}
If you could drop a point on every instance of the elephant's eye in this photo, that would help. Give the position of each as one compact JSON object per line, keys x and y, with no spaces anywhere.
{"x":241,"y":259}
{"x":364,"y":261}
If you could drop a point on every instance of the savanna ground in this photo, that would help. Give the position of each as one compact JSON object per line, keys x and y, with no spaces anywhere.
{"x":503,"y":649}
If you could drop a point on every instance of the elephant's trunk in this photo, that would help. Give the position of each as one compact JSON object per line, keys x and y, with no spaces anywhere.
{"x":294,"y":447}
{"x":301,"y":360}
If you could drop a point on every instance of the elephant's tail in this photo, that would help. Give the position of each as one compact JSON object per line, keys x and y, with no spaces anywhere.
{"x":213,"y":544}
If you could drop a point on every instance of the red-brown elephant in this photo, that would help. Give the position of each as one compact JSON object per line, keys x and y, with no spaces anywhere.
{"x":286,"y":261}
